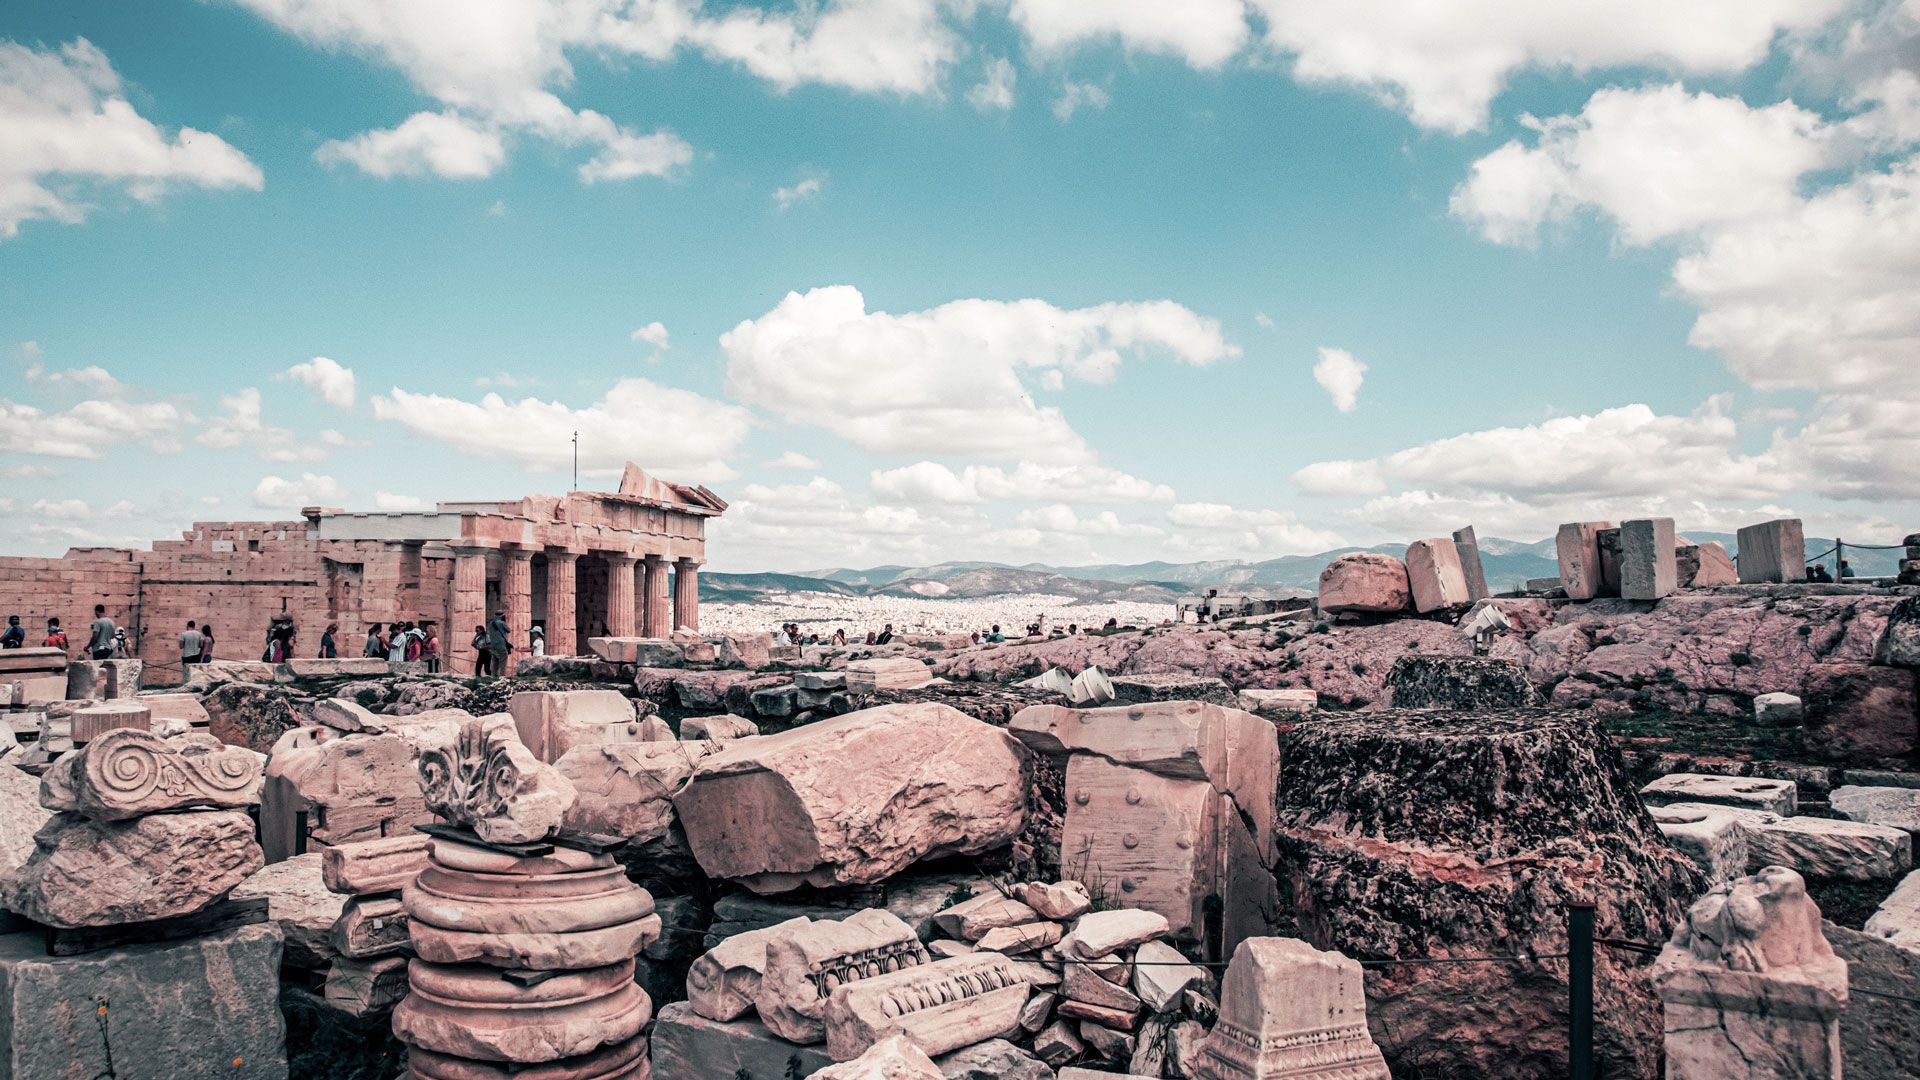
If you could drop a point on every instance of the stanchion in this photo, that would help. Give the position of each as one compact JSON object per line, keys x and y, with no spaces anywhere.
{"x":1580,"y":989}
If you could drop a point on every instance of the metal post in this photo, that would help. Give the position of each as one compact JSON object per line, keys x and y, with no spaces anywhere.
{"x":1839,"y":557}
{"x":1580,"y":989}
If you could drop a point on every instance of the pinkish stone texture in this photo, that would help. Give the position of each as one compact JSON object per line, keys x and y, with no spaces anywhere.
{"x":1435,"y":575}
{"x":1365,"y":582}
{"x":99,"y":873}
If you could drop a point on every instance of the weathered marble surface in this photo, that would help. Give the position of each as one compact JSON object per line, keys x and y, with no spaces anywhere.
{"x":940,"y":1006}
{"x":896,"y":1058}
{"x":98,"y":873}
{"x":1289,"y":1009}
{"x":804,"y":965}
{"x":723,"y":983}
{"x":480,"y":776}
{"x":124,"y":773}
{"x":299,"y":900}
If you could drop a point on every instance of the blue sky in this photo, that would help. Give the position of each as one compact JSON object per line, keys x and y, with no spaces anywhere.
{"x":905,"y":280}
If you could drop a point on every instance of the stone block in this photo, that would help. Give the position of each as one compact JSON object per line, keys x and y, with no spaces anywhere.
{"x":626,"y":789}
{"x":482,"y":777}
{"x":1647,"y":567}
{"x":474,"y":1012}
{"x":970,"y":919}
{"x":1899,"y":643}
{"x":1820,"y":847}
{"x":1898,"y":917}
{"x":688,"y":1046}
{"x":1468,"y":546}
{"x":804,"y":963}
{"x":1750,"y":987}
{"x":100,"y":873}
{"x":723,"y":983}
{"x":182,"y":707}
{"x":1434,"y":575}
{"x":123,"y":677}
{"x":342,"y":667}
{"x":820,"y":680}
{"x":895,"y":1058}
{"x":718,"y":728}
{"x":940,"y":1006}
{"x":1277,"y":703}
{"x":1772,"y":551}
{"x":855,"y":799}
{"x":1714,"y":841}
{"x":1578,"y":547}
{"x":1103,"y":933}
{"x":371,"y":926}
{"x":367,"y":867}
{"x":44,"y":690}
{"x":1895,"y":807}
{"x":552,"y":722}
{"x":1778,"y":710}
{"x":1149,"y":839}
{"x":366,"y":987}
{"x":299,"y":900}
{"x":995,"y":1059}
{"x":887,"y":673}
{"x":1085,"y":984}
{"x":775,"y":702}
{"x":750,"y":651}
{"x":1161,"y":976}
{"x":33,"y":661}
{"x":1060,"y":901}
{"x":1364,"y":582}
{"x":1704,"y":566}
{"x":188,"y":1008}
{"x":1093,"y":687}
{"x":1750,"y":792}
{"x":21,"y":815}
{"x":96,"y":720}
{"x":1289,"y":1009}
{"x":1058,"y":1043}
{"x":1023,"y":938}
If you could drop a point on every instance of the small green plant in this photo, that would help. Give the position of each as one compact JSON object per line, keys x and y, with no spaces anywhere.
{"x":742,"y":1074}
{"x":1804,"y":630}
{"x":959,"y":894}
{"x":795,"y":1071}
{"x":1741,"y":659}
{"x":1321,"y":627}
{"x":1359,"y":667}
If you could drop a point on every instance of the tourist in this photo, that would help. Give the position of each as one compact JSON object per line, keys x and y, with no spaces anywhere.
{"x":482,"y":655}
{"x":374,"y":646}
{"x":329,"y":650}
{"x":206,"y":643}
{"x":886,"y":635}
{"x":994,"y":636}
{"x":1073,"y":629}
{"x":56,"y":638}
{"x":1846,"y":570}
{"x":1112,"y":625}
{"x":397,"y":644}
{"x":121,"y":650}
{"x":870,"y":636}
{"x":16,"y":635}
{"x":189,"y":647}
{"x":416,"y":643}
{"x":840,"y":635}
{"x":430,"y":646}
{"x":280,"y":642}
{"x":537,"y":641}
{"x":500,"y":640}
{"x":100,"y":642}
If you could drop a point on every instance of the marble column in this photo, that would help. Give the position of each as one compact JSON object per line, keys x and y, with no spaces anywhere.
{"x":516,"y":596}
{"x":560,"y":612}
{"x":620,"y":595}
{"x":655,"y":621}
{"x":686,"y":595}
{"x":469,"y":609}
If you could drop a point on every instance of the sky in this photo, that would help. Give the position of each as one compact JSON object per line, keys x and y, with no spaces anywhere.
{"x":905,"y":281}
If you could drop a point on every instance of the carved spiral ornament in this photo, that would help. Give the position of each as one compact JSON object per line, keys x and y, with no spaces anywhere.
{"x":130,"y":768}
{"x":472,"y":779}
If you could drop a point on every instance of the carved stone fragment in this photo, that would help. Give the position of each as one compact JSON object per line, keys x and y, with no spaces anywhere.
{"x":126,"y":772}
{"x":805,"y":967}
{"x":940,"y":1006}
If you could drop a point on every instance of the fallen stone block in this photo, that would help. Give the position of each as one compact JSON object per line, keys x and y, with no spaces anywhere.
{"x":1058,"y":1043}
{"x":1581,"y":572}
{"x":1898,"y":917}
{"x":1161,"y":975}
{"x":970,"y":919}
{"x":182,"y":1008}
{"x":371,"y":926}
{"x":1467,"y":544}
{"x":298,"y":899}
{"x":1821,"y":847}
{"x":1162,"y":686}
{"x":1277,"y":703}
{"x":1772,"y":551}
{"x":1103,"y":933}
{"x":126,"y":773}
{"x":337,"y":667}
{"x":366,"y":987}
{"x":1648,"y":570}
{"x":1024,"y":938}
{"x":367,"y":867}
{"x":1289,"y":1009}
{"x":552,"y":722}
{"x":720,"y":728}
{"x":101,"y":873}
{"x":688,"y":1046}
{"x":896,"y":1058}
{"x":723,"y":983}
{"x":805,"y":963}
{"x":626,"y":789}
{"x":940,"y":1006}
{"x":1435,"y":577}
{"x":1704,"y":566}
{"x":183,"y":707}
{"x":1364,"y":582}
{"x":1715,"y":842}
{"x":1778,"y":710}
{"x":1059,"y":901}
{"x":94,"y":721}
{"x":1898,"y":808}
{"x":1899,"y":643}
{"x":1085,"y":984}
{"x":1750,"y":792}
{"x":21,"y":815}
{"x":854,"y":799}
{"x":887,"y":673}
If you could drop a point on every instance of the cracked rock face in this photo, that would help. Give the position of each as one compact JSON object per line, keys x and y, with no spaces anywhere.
{"x":1408,"y":835}
{"x":100,"y":873}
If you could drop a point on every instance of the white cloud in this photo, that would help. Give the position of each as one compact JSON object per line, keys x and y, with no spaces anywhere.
{"x":654,"y":334}
{"x":792,"y":459}
{"x":326,"y":378}
{"x":89,"y":428}
{"x":1061,"y":518}
{"x":1340,"y":375}
{"x":240,"y":425}
{"x":26,"y":472}
{"x":995,"y":89}
{"x":389,"y":502}
{"x":63,"y":509}
{"x":874,"y":46}
{"x":819,"y":522}
{"x":1263,"y":320}
{"x":1251,"y":533}
{"x":275,"y":493}
{"x":948,"y":381}
{"x":666,"y":430}
{"x":68,"y":131}
{"x":1659,"y":161}
{"x":445,"y":144}
{"x":1445,"y":63}
{"x":1340,"y":478}
{"x":91,"y":379}
{"x":931,"y":482}
{"x":1076,"y":96}
{"x":802,"y":191}
{"x":507,"y":381}
{"x":1204,"y":33}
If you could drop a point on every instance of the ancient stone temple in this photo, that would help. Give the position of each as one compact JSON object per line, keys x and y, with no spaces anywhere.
{"x":588,"y":563}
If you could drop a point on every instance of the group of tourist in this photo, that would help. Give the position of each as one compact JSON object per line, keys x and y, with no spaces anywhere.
{"x":1818,"y":572}
{"x":397,"y":643}
{"x":105,"y":641}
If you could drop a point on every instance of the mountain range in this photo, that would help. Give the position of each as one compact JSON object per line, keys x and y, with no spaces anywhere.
{"x":1508,"y":565}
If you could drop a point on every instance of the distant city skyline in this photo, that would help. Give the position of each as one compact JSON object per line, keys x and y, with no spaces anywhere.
{"x":909,"y":281}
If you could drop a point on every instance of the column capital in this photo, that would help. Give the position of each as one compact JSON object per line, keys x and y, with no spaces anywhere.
{"x":470,"y":549}
{"x":654,"y":559}
{"x":689,"y":562}
{"x":561,"y":555}
{"x":518,"y":554}
{"x":618,"y":557}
